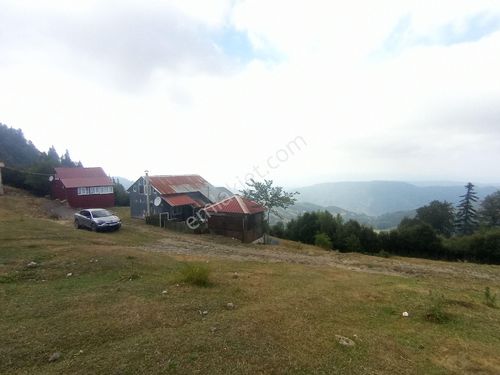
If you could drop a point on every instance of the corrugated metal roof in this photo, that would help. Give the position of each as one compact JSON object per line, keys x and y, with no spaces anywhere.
{"x":178,"y":184}
{"x":169,"y":184}
{"x":82,"y":177}
{"x":180,"y":200}
{"x":236,"y":205}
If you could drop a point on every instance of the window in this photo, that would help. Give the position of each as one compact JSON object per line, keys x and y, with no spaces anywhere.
{"x":85,"y":213}
{"x":141,"y":189}
{"x":83,"y":191}
{"x":95,"y":190}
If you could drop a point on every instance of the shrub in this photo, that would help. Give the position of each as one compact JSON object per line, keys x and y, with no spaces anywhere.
{"x":383,"y":254}
{"x":435,"y":308}
{"x":195,"y":274}
{"x":489,"y":298}
{"x":322,"y":240}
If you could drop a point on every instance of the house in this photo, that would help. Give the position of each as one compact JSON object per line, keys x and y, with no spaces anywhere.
{"x":83,"y":187}
{"x":174,"y":197}
{"x":236,"y":217}
{"x":1,"y":185}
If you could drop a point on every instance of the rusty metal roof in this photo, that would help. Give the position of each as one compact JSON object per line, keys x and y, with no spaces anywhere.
{"x":166,"y":185}
{"x":83,"y":177}
{"x":180,"y":200}
{"x":236,"y":205}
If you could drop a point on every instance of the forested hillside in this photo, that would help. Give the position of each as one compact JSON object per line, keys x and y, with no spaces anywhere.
{"x":25,"y":166}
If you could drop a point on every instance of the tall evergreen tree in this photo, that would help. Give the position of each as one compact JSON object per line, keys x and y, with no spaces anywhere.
{"x":53,"y":156}
{"x":466,"y":220}
{"x":66,"y":160}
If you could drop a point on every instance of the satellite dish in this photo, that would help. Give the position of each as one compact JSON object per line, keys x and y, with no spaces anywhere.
{"x":51,"y":178}
{"x":157,"y":201}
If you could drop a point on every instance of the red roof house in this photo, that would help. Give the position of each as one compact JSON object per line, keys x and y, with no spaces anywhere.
{"x":83,"y":187}
{"x":236,"y":217}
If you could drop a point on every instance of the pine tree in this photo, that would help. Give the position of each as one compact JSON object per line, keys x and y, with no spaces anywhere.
{"x":466,"y":220}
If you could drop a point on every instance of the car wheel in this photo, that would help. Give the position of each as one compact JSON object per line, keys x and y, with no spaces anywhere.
{"x":77,"y":224}
{"x":93,"y":227}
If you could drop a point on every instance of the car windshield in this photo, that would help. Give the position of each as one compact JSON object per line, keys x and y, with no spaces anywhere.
{"x":101,"y":213}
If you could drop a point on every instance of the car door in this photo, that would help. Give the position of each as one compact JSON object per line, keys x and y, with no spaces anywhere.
{"x":87,"y":218}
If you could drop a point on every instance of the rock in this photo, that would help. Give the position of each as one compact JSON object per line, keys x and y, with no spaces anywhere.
{"x":235,"y":275}
{"x":405,"y":314}
{"x":342,"y":340}
{"x":230,"y":306}
{"x":55,"y":356}
{"x":164,"y":292}
{"x":32,"y":264}
{"x":213,"y":329}
{"x":69,"y":274}
{"x":204,"y":312}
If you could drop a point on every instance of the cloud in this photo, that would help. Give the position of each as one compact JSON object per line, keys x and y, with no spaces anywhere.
{"x":124,"y":41}
{"x":386,"y":89}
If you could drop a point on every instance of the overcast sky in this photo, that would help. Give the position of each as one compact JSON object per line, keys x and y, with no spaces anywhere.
{"x":296,"y":91}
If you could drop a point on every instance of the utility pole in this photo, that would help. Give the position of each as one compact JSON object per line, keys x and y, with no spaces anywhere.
{"x":146,"y":188}
{"x":1,"y":186}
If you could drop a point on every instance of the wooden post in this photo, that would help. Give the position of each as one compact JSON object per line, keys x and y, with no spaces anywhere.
{"x":1,"y":186}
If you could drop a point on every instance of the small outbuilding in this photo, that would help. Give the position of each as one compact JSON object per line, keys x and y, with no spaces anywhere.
{"x":83,"y":187}
{"x":236,"y":217}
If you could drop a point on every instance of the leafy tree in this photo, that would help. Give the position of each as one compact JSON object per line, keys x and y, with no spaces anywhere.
{"x":490,"y":210}
{"x":322,"y":240}
{"x":271,"y":197}
{"x":278,"y":230}
{"x":466,"y":220}
{"x":439,"y":215}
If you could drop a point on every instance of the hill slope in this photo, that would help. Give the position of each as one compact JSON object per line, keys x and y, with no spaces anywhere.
{"x":118,"y":303}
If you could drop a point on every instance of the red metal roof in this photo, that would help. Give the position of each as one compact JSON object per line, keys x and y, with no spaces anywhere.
{"x":83,"y":177}
{"x":179,"y":184}
{"x":180,"y":200}
{"x":236,"y":205}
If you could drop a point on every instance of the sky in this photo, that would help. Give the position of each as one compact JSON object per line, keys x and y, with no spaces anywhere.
{"x":299,"y":92}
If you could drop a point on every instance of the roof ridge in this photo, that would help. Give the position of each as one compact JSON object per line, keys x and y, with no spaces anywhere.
{"x":242,"y":204}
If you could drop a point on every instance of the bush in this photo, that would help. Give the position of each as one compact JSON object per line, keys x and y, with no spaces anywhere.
{"x":383,"y":254}
{"x":322,"y":240}
{"x":435,"y":308}
{"x":278,"y":230}
{"x":490,"y":299}
{"x":195,"y":274}
{"x":480,"y":247}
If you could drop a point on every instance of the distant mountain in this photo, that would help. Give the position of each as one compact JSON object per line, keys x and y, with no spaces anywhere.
{"x":375,"y":198}
{"x":385,"y":221}
{"x":124,"y":181}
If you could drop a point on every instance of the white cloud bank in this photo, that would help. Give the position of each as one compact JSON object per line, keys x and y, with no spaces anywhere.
{"x":379,"y":90}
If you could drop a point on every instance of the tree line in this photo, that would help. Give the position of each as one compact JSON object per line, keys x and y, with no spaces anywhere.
{"x":28,"y":168}
{"x":470,"y":231}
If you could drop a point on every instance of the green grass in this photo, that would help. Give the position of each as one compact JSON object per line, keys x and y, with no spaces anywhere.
{"x":125,"y":311}
{"x":195,"y":274}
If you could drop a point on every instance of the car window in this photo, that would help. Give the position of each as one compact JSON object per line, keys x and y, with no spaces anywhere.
{"x":101,"y":213}
{"x":85,"y":213}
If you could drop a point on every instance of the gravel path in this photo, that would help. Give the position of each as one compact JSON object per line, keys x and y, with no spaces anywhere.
{"x":204,"y":246}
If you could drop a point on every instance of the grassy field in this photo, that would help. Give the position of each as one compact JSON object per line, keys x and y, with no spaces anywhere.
{"x":127,"y":310}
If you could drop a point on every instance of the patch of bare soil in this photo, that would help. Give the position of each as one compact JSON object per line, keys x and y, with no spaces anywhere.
{"x":57,"y":210}
{"x":210,"y":246}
